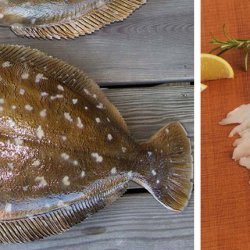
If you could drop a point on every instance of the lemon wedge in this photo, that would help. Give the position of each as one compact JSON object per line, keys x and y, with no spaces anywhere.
{"x":214,"y":67}
{"x":203,"y":87}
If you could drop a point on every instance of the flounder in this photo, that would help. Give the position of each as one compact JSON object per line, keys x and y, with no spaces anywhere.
{"x":63,"y":18}
{"x":65,"y":151}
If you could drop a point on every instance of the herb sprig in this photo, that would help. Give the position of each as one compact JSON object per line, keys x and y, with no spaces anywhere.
{"x":231,"y":43}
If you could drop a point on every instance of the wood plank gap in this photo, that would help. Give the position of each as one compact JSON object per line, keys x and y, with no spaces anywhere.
{"x":145,"y":84}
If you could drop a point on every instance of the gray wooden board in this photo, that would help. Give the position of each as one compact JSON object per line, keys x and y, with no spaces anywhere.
{"x":155,"y":44}
{"x":135,"y":221}
{"x":148,"y":109}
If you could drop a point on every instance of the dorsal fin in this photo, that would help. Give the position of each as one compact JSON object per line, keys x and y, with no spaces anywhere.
{"x":66,"y":74}
{"x":101,"y":15}
{"x":39,"y":226}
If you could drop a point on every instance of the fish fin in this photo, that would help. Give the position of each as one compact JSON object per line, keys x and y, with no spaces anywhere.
{"x":114,"y":10}
{"x":66,"y":74}
{"x":169,"y":177}
{"x":57,"y":221}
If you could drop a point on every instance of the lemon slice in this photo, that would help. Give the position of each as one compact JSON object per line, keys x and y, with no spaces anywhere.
{"x":203,"y":87}
{"x":214,"y":67}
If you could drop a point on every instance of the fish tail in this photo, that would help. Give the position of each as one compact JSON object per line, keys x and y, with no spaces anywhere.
{"x":166,"y":170}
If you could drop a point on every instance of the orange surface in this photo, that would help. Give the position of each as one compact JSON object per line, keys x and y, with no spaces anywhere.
{"x":225,"y":186}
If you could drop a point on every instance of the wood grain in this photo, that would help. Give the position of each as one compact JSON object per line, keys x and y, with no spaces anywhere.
{"x":133,"y":222}
{"x":136,"y":221}
{"x":225,"y":186}
{"x":148,"y":109}
{"x":155,"y":44}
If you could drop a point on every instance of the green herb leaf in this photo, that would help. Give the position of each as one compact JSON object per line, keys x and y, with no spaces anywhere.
{"x":230,"y":43}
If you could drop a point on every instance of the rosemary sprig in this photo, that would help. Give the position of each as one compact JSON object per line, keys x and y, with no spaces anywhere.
{"x":231,"y":43}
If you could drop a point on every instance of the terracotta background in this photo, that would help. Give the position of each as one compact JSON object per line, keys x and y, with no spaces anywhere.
{"x":225,"y":186}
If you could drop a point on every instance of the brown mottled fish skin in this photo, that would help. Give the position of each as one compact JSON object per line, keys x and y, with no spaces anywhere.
{"x":65,"y":151}
{"x":63,"y":19}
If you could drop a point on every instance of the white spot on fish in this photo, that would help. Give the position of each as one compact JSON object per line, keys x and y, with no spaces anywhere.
{"x":110,"y":137}
{"x":149,"y":153}
{"x":56,"y":97}
{"x":25,"y":76}
{"x":64,"y":138}
{"x":25,"y":188}
{"x":86,"y":91}
{"x":60,"y":87}
{"x":36,"y":163}
{"x":41,"y":181}
{"x":40,"y":132}
{"x":100,"y":106}
{"x":6,"y":64}
{"x":33,"y":20}
{"x":130,"y":174}
{"x":153,"y":172}
{"x":13,"y":107}
{"x":74,"y":101}
{"x":75,"y":162}
{"x":65,"y":156}
{"x":40,"y":77}
{"x":98,"y":158}
{"x":43,"y":113}
{"x":8,"y":208}
{"x":11,"y":123}
{"x":18,"y":141}
{"x":1,"y":101}
{"x":157,"y":181}
{"x":44,"y":94}
{"x":67,"y":116}
{"x":28,"y":107}
{"x":21,"y":91}
{"x":113,"y":171}
{"x":79,"y":123}
{"x":98,"y":120}
{"x":124,"y":149}
{"x":66,"y":181}
{"x":82,"y":174}
{"x":10,"y":166}
{"x":167,"y":131}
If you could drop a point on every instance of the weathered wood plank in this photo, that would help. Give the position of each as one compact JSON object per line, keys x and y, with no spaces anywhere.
{"x":155,"y":44}
{"x":135,"y":221}
{"x":148,"y":109}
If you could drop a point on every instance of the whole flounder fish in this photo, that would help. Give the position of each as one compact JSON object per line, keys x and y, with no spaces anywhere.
{"x":65,"y":151}
{"x":63,"y":18}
